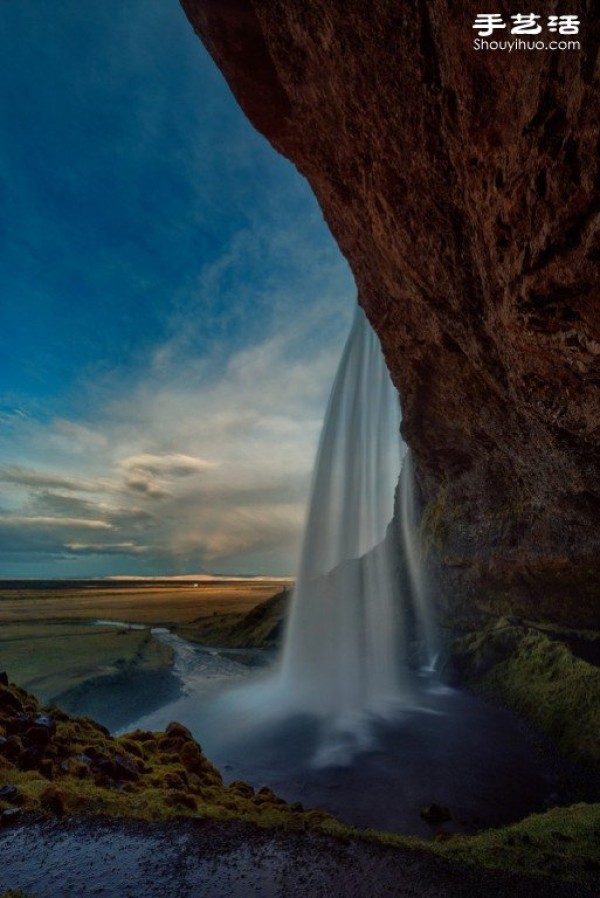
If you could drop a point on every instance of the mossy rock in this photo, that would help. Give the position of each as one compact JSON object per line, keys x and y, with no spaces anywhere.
{"x":539,"y":676}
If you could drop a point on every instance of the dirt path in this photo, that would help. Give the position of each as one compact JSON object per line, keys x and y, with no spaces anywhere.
{"x":206,"y":859}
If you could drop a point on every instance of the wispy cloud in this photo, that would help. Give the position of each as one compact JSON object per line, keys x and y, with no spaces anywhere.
{"x":39,"y":479}
{"x":108,"y":549}
{"x":34,"y":522}
{"x":231,"y":498}
{"x":175,"y":302}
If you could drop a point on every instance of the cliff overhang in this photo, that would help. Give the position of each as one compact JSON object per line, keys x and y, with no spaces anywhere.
{"x":464,"y":189}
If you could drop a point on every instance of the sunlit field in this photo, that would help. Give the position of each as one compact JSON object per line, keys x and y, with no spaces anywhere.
{"x":50,"y":642}
{"x":153,"y":605}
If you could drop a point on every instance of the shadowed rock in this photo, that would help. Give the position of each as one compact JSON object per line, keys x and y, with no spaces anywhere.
{"x":463,"y":187}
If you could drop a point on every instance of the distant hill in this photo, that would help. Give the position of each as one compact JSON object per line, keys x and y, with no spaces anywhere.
{"x":262,"y":627}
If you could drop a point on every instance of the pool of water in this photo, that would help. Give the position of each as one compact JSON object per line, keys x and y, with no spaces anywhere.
{"x":442,"y":746}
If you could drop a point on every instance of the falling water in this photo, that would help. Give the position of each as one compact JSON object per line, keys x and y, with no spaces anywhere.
{"x":411,"y":550}
{"x":345,"y":648}
{"x":340,"y":650}
{"x":345,"y":651}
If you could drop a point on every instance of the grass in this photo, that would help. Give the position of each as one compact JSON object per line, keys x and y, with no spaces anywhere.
{"x":155,"y":605}
{"x":50,"y":647}
{"x":562,"y":842}
{"x":539,"y":677}
{"x":84,"y":771}
{"x":261,"y":627}
{"x":519,"y":664}
{"x":51,"y":658}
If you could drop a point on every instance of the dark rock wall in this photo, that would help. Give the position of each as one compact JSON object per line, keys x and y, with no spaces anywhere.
{"x":464,"y":189}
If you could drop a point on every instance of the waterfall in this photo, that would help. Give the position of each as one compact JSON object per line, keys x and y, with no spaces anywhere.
{"x":344,"y":658}
{"x":345,"y":648}
{"x":341,"y":646}
{"x":421,"y":604}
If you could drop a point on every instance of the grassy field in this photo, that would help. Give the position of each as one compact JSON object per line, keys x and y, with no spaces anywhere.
{"x":50,"y":645}
{"x":52,"y":658}
{"x":151,"y":605}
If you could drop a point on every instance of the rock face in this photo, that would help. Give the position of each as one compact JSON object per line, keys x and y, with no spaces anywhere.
{"x":463,"y":186}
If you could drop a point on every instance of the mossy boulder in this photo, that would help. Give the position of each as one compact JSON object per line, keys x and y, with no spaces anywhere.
{"x":56,"y":764}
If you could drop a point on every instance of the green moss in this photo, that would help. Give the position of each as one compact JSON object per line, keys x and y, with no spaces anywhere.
{"x":170,"y":777}
{"x":539,"y":677}
{"x":54,"y":657}
{"x":84,"y":770}
{"x":433,"y":529}
{"x":562,"y":841}
{"x":259,"y":628}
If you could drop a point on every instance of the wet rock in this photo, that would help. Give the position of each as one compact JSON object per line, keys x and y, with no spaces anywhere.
{"x":125,"y":767}
{"x":141,"y":736}
{"x":191,"y":757}
{"x":266,"y":795}
{"x":10,"y":816}
{"x":39,"y":736}
{"x":242,"y":788}
{"x":11,"y":747}
{"x":8,"y":699}
{"x":17,"y":723}
{"x":84,"y":759}
{"x":11,"y":794}
{"x":173,"y":780}
{"x":119,"y":767}
{"x":47,"y":768}
{"x":178,"y":731}
{"x":30,"y":758}
{"x":46,"y":722}
{"x":53,"y":800}
{"x":443,"y":836}
{"x":3,"y":678}
{"x":435,"y":814}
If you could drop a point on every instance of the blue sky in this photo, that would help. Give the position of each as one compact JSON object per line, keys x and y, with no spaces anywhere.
{"x":172,"y":306}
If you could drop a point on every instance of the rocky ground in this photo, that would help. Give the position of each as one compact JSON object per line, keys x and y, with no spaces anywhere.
{"x":124,"y":859}
{"x":177,"y":828}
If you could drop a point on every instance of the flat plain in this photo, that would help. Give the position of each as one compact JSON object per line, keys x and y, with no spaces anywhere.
{"x":51,"y":643}
{"x":152,"y":605}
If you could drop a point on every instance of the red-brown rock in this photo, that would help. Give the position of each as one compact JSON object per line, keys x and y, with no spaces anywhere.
{"x":464,"y":189}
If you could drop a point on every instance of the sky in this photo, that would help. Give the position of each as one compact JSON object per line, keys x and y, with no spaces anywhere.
{"x":172,"y":306}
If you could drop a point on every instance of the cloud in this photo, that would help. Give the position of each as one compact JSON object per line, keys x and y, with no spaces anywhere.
{"x":210,"y":472}
{"x":32,"y":521}
{"x":39,"y":479}
{"x":150,"y":474}
{"x":195,"y":472}
{"x":176,"y":465}
{"x":107,"y":549}
{"x":185,"y":306}
{"x":78,"y":436}
{"x":242,"y":530}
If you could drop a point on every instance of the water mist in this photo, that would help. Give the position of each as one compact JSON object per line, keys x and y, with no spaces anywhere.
{"x":344,"y":658}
